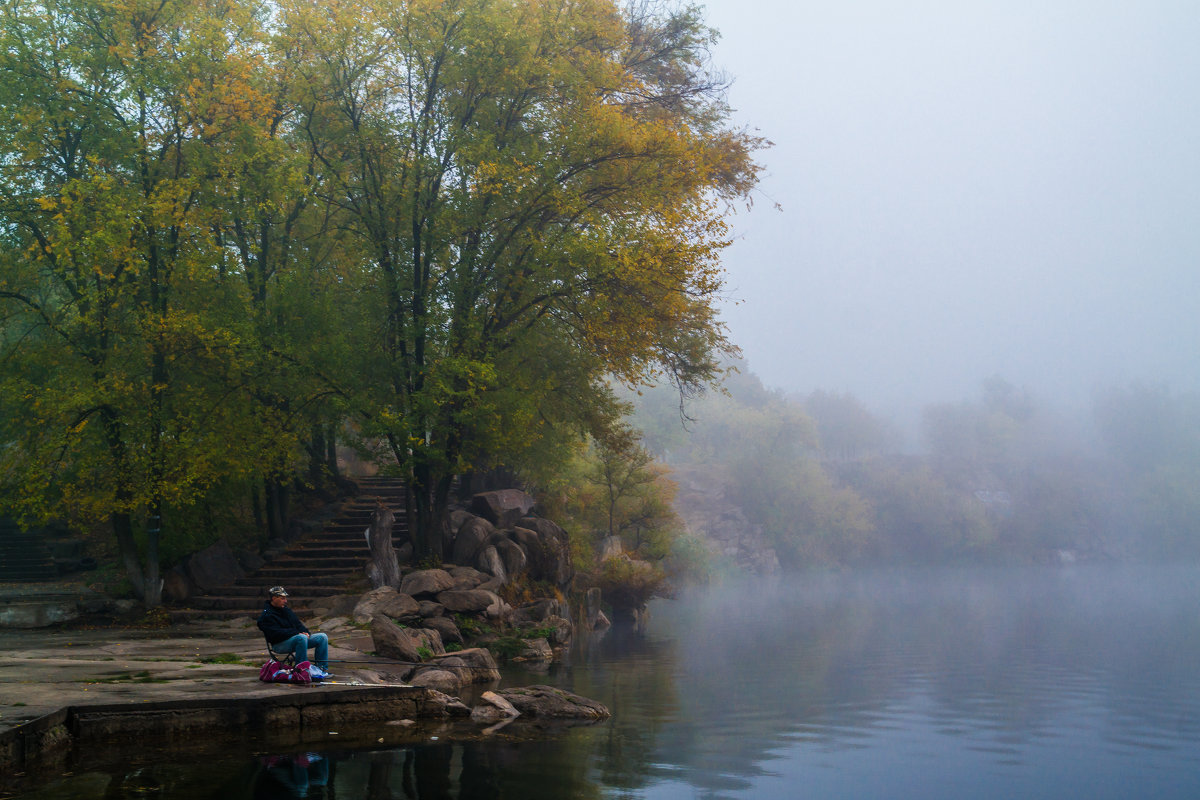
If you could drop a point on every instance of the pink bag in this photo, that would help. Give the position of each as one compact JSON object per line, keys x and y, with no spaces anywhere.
{"x":301,"y":673}
{"x":270,"y":670}
{"x":275,"y":672}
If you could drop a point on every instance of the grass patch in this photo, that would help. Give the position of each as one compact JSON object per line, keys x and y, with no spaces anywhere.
{"x":223,"y":658}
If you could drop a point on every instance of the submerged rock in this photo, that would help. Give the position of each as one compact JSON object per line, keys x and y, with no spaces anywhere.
{"x":547,"y":702}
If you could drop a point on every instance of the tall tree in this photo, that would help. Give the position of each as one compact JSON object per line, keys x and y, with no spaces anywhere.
{"x":115,"y":119}
{"x":528,"y":178}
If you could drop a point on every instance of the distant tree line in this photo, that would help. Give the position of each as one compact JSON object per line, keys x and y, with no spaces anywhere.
{"x":998,"y":478}
{"x":236,"y":233}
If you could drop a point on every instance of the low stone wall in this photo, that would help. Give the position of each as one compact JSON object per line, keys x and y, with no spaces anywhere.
{"x":288,"y":718}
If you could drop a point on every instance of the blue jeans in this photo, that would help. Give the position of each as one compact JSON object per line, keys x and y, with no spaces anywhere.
{"x":299,"y":645}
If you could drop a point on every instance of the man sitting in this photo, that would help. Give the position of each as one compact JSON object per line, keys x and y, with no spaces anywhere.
{"x":286,"y":633}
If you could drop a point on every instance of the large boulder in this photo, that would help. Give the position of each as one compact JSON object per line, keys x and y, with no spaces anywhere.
{"x":471,"y":538}
{"x":426,"y":582}
{"x":444,"y":680}
{"x":537,"y":650}
{"x":546,"y":702}
{"x":550,"y":557}
{"x":431,"y":609}
{"x":428,"y":638}
{"x":456,"y":670}
{"x":214,"y":566}
{"x":502,"y":507}
{"x":493,"y":708}
{"x":445,"y":627}
{"x":527,"y":540}
{"x":611,"y":547}
{"x":439,"y":704}
{"x":561,"y":629}
{"x":512,"y":554}
{"x":386,"y":601}
{"x":488,"y":560}
{"x":542,"y":609}
{"x":499,"y":610}
{"x":474,"y":665}
{"x":392,"y":641}
{"x":467,"y":601}
{"x":467,"y":577}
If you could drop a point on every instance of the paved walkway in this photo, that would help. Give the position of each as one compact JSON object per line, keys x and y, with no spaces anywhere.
{"x":43,"y":670}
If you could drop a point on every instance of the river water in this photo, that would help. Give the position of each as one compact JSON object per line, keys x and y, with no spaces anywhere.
{"x":1071,"y":682}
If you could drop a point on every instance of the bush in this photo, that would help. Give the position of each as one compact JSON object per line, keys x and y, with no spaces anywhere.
{"x":628,"y":584}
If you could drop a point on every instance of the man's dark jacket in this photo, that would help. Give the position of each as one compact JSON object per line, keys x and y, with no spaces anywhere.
{"x":278,"y":624}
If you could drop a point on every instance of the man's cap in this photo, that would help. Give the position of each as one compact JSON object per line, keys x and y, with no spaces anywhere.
{"x":278,"y":591}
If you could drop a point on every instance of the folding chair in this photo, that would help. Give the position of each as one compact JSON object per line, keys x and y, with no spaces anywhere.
{"x":288,"y":659}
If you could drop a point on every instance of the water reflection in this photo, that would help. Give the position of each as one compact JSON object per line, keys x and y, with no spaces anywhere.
{"x":940,"y":683}
{"x":286,"y":777}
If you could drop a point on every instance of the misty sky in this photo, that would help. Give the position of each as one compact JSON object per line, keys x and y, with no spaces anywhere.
{"x":968,"y":189}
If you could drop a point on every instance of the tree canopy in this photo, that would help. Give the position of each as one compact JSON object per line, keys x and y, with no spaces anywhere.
{"x":228,"y":227}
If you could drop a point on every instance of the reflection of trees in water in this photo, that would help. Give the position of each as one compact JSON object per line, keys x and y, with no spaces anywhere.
{"x":488,"y":770}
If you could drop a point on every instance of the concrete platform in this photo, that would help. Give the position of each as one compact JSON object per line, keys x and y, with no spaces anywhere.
{"x":46,"y":669}
{"x":182,"y":685}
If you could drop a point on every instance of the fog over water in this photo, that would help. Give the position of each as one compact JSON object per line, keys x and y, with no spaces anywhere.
{"x":967,"y":190}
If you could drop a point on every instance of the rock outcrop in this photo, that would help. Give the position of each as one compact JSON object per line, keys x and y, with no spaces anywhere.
{"x":708,"y":514}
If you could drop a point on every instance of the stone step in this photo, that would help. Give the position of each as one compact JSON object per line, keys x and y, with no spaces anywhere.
{"x":325,"y":578}
{"x":340,"y":525}
{"x":225,"y":603}
{"x":317,"y":563}
{"x":179,"y":615}
{"x":321,"y":564}
{"x":24,"y":557}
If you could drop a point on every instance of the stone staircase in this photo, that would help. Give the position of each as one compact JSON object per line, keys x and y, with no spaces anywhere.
{"x":329,"y":562}
{"x":24,"y":556}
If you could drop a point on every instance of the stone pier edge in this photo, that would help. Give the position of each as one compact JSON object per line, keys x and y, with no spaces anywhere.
{"x":294,"y":715}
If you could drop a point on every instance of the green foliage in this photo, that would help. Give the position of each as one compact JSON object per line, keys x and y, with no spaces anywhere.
{"x":424,"y":653}
{"x":209,"y":234}
{"x":535,"y":214}
{"x":472,"y":626}
{"x":1004,"y":479}
{"x":507,"y":647}
{"x":629,"y":584}
{"x":615,"y":489}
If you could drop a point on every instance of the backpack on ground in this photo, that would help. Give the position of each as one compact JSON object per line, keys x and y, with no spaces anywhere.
{"x":276,"y":672}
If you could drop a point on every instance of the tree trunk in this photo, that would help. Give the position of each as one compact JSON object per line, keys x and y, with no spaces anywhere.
{"x":277,"y":513}
{"x":123,"y":528}
{"x":331,"y":462}
{"x":152,"y":596}
{"x":316,"y":457}
{"x":429,"y":502}
{"x":383,"y":569}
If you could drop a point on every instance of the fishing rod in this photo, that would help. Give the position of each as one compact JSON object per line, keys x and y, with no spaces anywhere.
{"x":404,"y":663}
